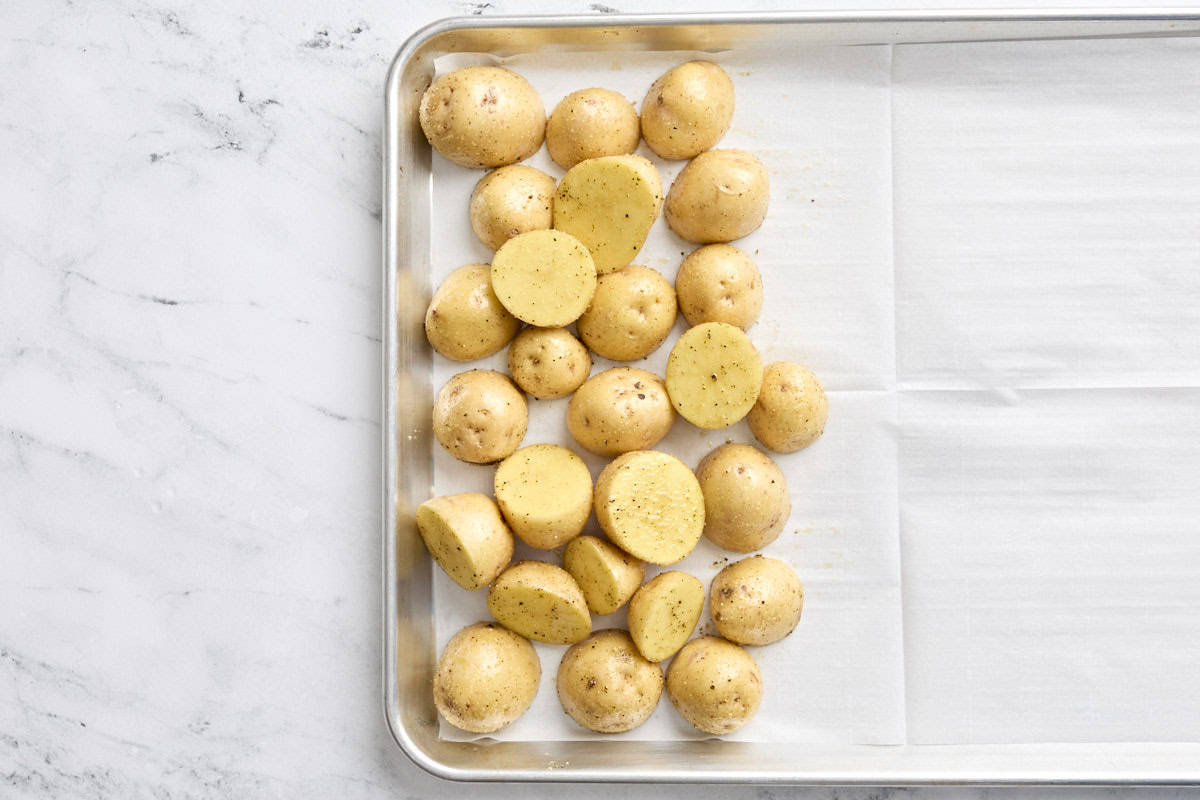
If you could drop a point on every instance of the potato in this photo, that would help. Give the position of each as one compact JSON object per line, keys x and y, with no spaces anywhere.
{"x":541,"y":602}
{"x":791,"y":409}
{"x":687,"y":110}
{"x":607,"y":575}
{"x":510,"y":201}
{"x":609,"y":204}
{"x":605,"y":685}
{"x":663,"y":614}
{"x":721,"y":195}
{"x":465,"y":320}
{"x":545,"y":278}
{"x":719,"y":283}
{"x":649,"y":503}
{"x":479,"y":416}
{"x":713,"y":375}
{"x":620,"y":409}
{"x":715,"y":685}
{"x":746,"y":502}
{"x":591,"y":123}
{"x":545,"y":493}
{"x":548,"y":363}
{"x":486,"y":678}
{"x":467,"y":537}
{"x":631,"y":314}
{"x":757,"y":600}
{"x":483,"y":117}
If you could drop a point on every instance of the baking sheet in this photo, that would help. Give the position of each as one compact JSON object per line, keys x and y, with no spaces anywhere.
{"x":999,"y":273}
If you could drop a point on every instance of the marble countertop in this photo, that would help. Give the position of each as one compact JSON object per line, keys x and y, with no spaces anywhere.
{"x":189,"y":404}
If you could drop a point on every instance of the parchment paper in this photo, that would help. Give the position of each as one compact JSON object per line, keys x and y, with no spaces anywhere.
{"x":989,"y":255}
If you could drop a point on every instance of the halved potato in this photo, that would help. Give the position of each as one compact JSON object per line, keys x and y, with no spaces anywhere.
{"x":486,"y":678}
{"x":619,"y":410}
{"x":605,"y":685}
{"x":713,"y":375}
{"x":791,"y":409}
{"x":467,"y":537}
{"x":607,"y":575}
{"x":545,"y":493}
{"x":649,"y":503}
{"x":715,"y":685}
{"x":546,"y":278}
{"x":630,"y":315}
{"x":548,"y":363}
{"x":541,"y":602}
{"x":609,"y":204}
{"x":465,"y":320}
{"x":663,"y":614}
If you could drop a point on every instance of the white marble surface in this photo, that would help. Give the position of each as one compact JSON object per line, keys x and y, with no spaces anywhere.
{"x":189,"y":408}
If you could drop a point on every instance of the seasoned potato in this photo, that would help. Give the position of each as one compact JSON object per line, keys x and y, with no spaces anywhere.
{"x":486,"y":678}
{"x":467,"y":537}
{"x":609,"y":204}
{"x":719,"y":283}
{"x":605,"y":685}
{"x":791,"y":409}
{"x":631,"y":314}
{"x":757,"y":600}
{"x":465,"y":320}
{"x":483,"y":117}
{"x":663,"y":614}
{"x":479,"y":416}
{"x":715,"y":685}
{"x":545,"y":493}
{"x":713,"y":375}
{"x":548,"y":363}
{"x":649,"y":503}
{"x":687,"y":110}
{"x":607,"y":575}
{"x":746,"y":502}
{"x":545,"y":278}
{"x":721,"y":195}
{"x":619,"y":410}
{"x":591,"y":123}
{"x":541,"y":602}
{"x":510,"y":201}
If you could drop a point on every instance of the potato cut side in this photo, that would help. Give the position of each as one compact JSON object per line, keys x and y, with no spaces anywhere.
{"x":609,"y":204}
{"x":714,"y":374}
{"x":663,"y":614}
{"x":607,"y":575}
{"x":467,"y":537}
{"x":545,"y":493}
{"x":545,"y":278}
{"x":650,"y":505}
{"x":541,"y":602}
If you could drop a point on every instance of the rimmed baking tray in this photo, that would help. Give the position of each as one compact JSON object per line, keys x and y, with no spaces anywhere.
{"x":409,"y":650}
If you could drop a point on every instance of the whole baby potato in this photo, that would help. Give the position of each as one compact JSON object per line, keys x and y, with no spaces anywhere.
{"x":757,"y":600}
{"x":746,"y":502}
{"x":509,"y":201}
{"x":606,"y":685}
{"x":591,"y":123}
{"x":486,"y":678}
{"x":719,"y":283}
{"x":619,"y":410}
{"x":545,"y":492}
{"x":715,"y":685}
{"x":465,"y":320}
{"x":631,"y":314}
{"x":548,"y":363}
{"x":721,"y":195}
{"x":791,"y":409}
{"x":483,"y":117}
{"x":467,"y":537}
{"x":687,"y":110}
{"x":479,"y":416}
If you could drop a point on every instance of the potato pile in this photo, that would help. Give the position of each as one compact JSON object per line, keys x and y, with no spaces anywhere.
{"x":561,"y":287}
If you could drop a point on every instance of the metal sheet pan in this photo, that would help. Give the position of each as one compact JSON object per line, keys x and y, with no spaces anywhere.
{"x":408,"y":644}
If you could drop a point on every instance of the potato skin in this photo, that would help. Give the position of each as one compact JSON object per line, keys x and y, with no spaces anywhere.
{"x":540,"y":601}
{"x":631,"y":314}
{"x":746,"y":501}
{"x":721,"y":195}
{"x":791,"y":409}
{"x":510,"y":201}
{"x":719,"y":283}
{"x":483,"y":116}
{"x":607,"y":574}
{"x":479,"y":416}
{"x":486,"y":678}
{"x":620,"y":409}
{"x":545,"y":494}
{"x":715,"y":685}
{"x":756,"y":601}
{"x":465,"y":320}
{"x":548,"y":363}
{"x":687,"y":110}
{"x":467,"y":537}
{"x":591,"y":123}
{"x":605,"y":685}
{"x":664,"y":612}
